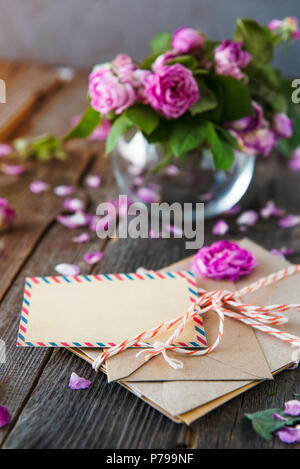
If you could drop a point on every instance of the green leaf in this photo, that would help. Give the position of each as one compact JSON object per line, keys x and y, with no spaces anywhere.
{"x":187,"y":135}
{"x":44,"y":147}
{"x":265,"y":424}
{"x":187,"y":61}
{"x":236,"y":99}
{"x":162,"y":132}
{"x":119,"y":127}
{"x":222,"y":151}
{"x":161,"y":43}
{"x":89,"y":121}
{"x":147,"y":64}
{"x":143,"y":117}
{"x":257,"y":40}
{"x":207,"y":100}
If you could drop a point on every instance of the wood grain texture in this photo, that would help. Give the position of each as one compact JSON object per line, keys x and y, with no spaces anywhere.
{"x":34,"y":382}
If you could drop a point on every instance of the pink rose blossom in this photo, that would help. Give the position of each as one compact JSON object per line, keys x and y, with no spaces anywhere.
{"x":259,"y":142}
{"x":76,"y":382}
{"x":13,"y":169}
{"x":37,"y":187}
{"x":5,"y":417}
{"x":223,"y":260}
{"x":248,"y":218}
{"x":289,"y":221}
{"x":294,"y":163}
{"x":289,"y":434}
{"x":162,"y":59}
{"x":76,"y":220}
{"x":5,"y":149}
{"x":274,"y":24}
{"x":67,"y":269}
{"x":64,"y":190}
{"x":282,"y":125}
{"x":172,"y":90}
{"x":7,"y":214}
{"x":73,"y":205}
{"x":142,"y":78}
{"x":230,"y":59}
{"x":93,"y":257}
{"x":185,"y":39}
{"x":81,"y":238}
{"x":93,"y":180}
{"x":220,"y":228}
{"x":108,"y":93}
{"x":292,"y":408}
{"x":124,"y":67}
{"x":285,"y":29}
{"x":248,"y":124}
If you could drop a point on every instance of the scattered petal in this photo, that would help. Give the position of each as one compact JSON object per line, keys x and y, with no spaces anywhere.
{"x":173,"y":229}
{"x":270,"y":210}
{"x":278,"y":253}
{"x":63,"y":190}
{"x":5,"y":417}
{"x":74,"y":221}
{"x":81,"y":238}
{"x":93,"y":181}
{"x":292,"y":408}
{"x":37,"y":187}
{"x":13,"y":169}
{"x":172,"y":170}
{"x":220,"y":228}
{"x":289,"y":221}
{"x":73,"y":205}
{"x":76,"y":382}
{"x":67,"y":269}
{"x":147,"y":195}
{"x":248,"y":218}
{"x":5,"y":149}
{"x":289,"y":434}
{"x":154,"y":234}
{"x":93,"y":257}
{"x":286,"y":251}
{"x":233,"y":210}
{"x":7,"y":214}
{"x":138,"y":181}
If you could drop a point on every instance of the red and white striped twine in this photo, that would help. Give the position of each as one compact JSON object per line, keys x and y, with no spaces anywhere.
{"x":258,"y":317}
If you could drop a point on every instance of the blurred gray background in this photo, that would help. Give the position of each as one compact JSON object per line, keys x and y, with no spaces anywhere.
{"x":84,"y":32}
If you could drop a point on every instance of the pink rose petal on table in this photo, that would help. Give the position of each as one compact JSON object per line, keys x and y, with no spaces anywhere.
{"x":248,"y":218}
{"x":289,"y":434}
{"x":7,"y":214}
{"x":271,"y":210}
{"x":64,"y":190}
{"x":154,"y":234}
{"x":76,"y":220}
{"x":67,"y":269}
{"x":289,"y":221}
{"x":292,"y":408}
{"x":172,"y":170}
{"x":77,"y":382}
{"x":286,"y":251}
{"x":93,"y":257}
{"x":5,"y":149}
{"x":93,"y":181}
{"x":278,"y":253}
{"x":233,"y":210}
{"x":220,"y":228}
{"x":81,"y":238}
{"x":5,"y":417}
{"x":13,"y":169}
{"x":73,"y":205}
{"x":37,"y":187}
{"x":147,"y":195}
{"x":176,"y":230}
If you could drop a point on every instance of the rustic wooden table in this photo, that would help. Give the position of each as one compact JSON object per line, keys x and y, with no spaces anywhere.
{"x":33,"y":382}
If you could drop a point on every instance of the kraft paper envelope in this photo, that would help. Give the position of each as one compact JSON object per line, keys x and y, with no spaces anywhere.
{"x":102,"y":310}
{"x":196,"y":398}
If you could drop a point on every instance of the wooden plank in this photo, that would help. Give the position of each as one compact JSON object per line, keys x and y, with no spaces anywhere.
{"x":34,"y":213}
{"x":26,"y":85}
{"x":23,"y":367}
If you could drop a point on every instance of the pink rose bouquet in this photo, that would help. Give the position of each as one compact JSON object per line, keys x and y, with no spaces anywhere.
{"x":194,"y":92}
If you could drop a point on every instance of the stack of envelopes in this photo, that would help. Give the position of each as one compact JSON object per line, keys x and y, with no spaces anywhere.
{"x":244,"y":358}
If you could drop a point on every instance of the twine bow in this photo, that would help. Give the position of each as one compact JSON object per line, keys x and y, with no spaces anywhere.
{"x":224,"y":303}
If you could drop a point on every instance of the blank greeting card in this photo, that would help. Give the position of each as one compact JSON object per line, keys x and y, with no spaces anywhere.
{"x":103,"y":310}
